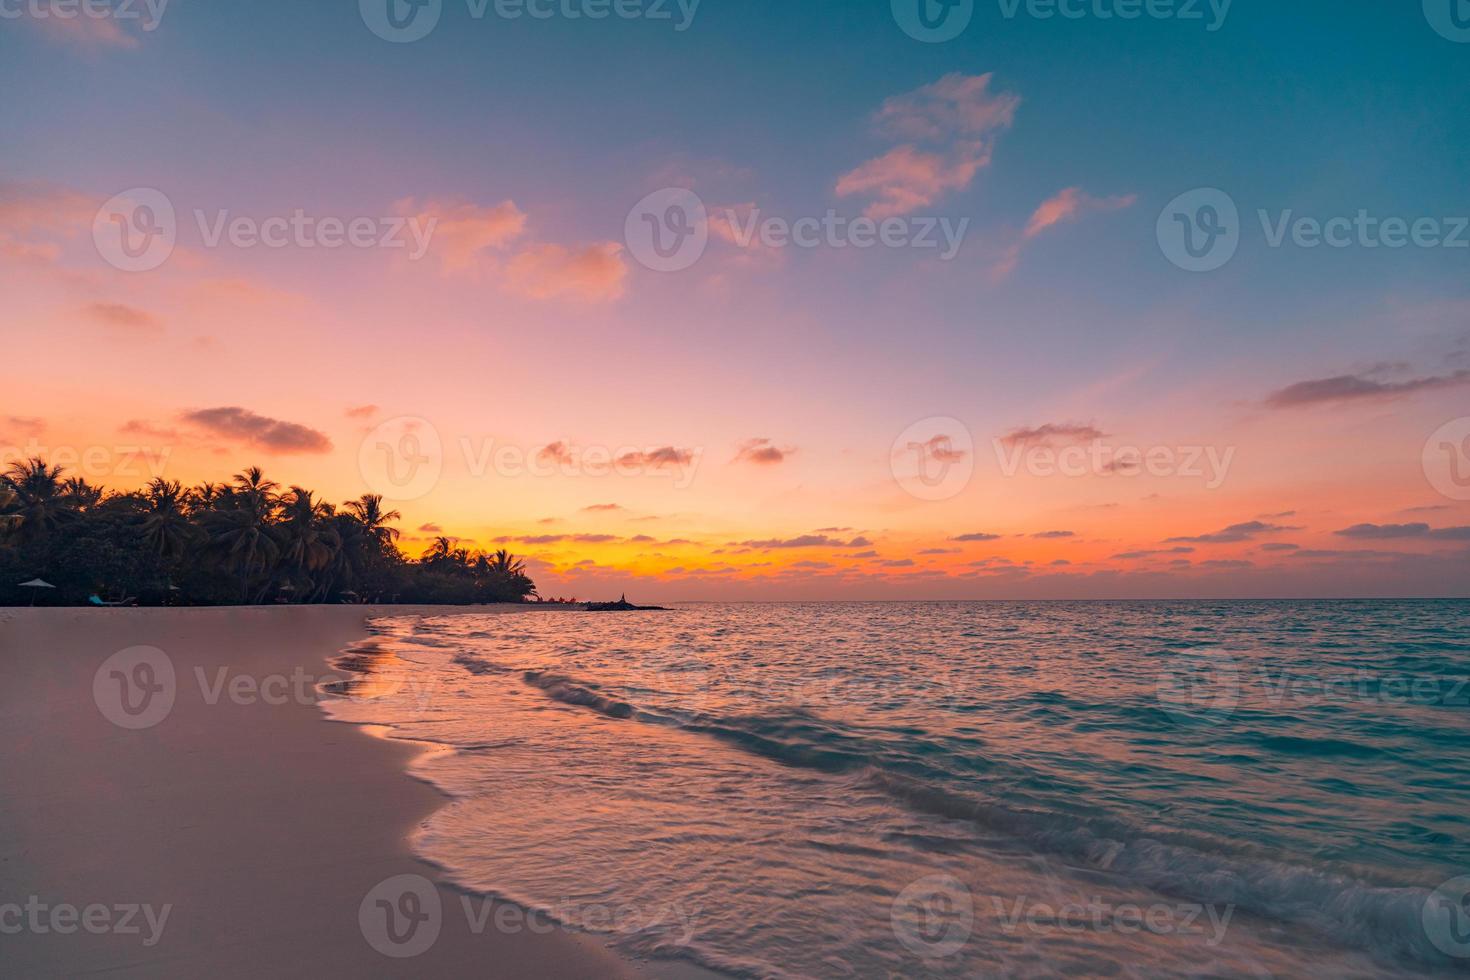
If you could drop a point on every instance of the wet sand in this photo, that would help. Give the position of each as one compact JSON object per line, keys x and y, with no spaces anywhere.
{"x":242,"y":830}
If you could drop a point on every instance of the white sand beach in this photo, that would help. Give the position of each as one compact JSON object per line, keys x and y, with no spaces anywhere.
{"x":233,"y":838}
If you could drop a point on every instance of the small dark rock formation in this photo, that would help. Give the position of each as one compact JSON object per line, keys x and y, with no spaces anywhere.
{"x":622,"y":605}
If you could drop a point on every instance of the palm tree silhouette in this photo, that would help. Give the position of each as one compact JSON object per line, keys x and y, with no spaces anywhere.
{"x":80,"y":494}
{"x":229,"y":543}
{"x":40,"y":502}
{"x":368,"y":511}
{"x":166,"y":526}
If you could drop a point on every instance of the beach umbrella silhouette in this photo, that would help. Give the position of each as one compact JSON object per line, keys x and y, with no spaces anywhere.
{"x":35,"y":584}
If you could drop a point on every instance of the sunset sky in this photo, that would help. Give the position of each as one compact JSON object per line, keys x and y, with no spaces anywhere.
{"x":1307,"y":406}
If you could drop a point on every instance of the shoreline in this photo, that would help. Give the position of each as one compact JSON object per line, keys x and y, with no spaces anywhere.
{"x":244,"y":830}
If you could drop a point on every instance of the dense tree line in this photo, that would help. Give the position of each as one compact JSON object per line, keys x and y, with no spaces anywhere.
{"x":241,"y":542}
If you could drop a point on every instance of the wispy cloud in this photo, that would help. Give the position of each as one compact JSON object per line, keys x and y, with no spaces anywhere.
{"x":655,"y":458}
{"x":949,"y":129}
{"x":590,"y":273}
{"x":957,"y":105}
{"x":463,"y":233}
{"x":1053,"y":433}
{"x":1389,"y":532}
{"x":148,"y":430}
{"x":557,"y":453}
{"x":906,"y":178}
{"x":1152,"y":553}
{"x":36,"y":217}
{"x":762,"y":452}
{"x":808,"y":541}
{"x":1235,"y":533}
{"x":1358,"y":387}
{"x":1067,"y":205}
{"x":125,"y":318}
{"x":81,"y":27}
{"x":259,"y":431}
{"x":1070,"y":205}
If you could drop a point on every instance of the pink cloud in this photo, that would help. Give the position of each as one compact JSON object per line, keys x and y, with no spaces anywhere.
{"x":1071,"y":204}
{"x":1066,"y":205}
{"x":78,"y":27}
{"x":594,"y":273}
{"x":956,"y":105}
{"x":907,"y":178}
{"x":958,"y":117}
{"x":739,"y":225}
{"x":462,"y":232}
{"x":34,"y":215}
{"x":124,"y":318}
{"x":763,"y":452}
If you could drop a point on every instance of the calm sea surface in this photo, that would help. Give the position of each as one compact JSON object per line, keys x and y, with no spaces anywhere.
{"x":957,"y":789}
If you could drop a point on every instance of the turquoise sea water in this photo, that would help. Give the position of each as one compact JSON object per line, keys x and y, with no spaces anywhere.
{"x":957,"y":789}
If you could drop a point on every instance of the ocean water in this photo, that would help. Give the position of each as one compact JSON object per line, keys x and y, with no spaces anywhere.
{"x":1132,"y":789}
